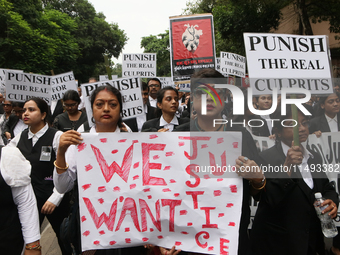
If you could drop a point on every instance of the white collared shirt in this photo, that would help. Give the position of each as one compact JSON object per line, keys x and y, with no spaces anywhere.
{"x":332,"y":123}
{"x":20,"y":126}
{"x":141,"y":119}
{"x":304,"y":168}
{"x":56,"y":197}
{"x":167,"y":125}
{"x":153,"y":102}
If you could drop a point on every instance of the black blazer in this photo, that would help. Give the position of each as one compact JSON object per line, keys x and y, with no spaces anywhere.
{"x":286,"y":221}
{"x":153,"y":125}
{"x":132,"y":123}
{"x":321,"y":123}
{"x":10,"y":125}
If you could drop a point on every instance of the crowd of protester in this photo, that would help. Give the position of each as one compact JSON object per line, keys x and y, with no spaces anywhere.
{"x":285,"y":222}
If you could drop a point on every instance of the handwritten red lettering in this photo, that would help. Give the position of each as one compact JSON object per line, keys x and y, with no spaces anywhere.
{"x":98,"y":221}
{"x":147,"y":179}
{"x":223,"y":246}
{"x":207,"y":217}
{"x":129,"y":205}
{"x":212,"y":160}
{"x":194,"y":140}
{"x":191,"y":169}
{"x":145,"y":208}
{"x":172,"y":204}
{"x":205,"y":235}
{"x":108,"y":171}
{"x":194,"y":195}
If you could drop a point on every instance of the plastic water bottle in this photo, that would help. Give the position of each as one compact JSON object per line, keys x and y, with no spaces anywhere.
{"x":327,"y":224}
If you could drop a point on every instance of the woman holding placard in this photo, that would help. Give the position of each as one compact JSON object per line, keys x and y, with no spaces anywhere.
{"x":39,"y":144}
{"x":106,"y":103}
{"x":167,"y":106}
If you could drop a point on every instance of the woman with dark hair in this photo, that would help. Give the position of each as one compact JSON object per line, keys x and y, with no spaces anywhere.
{"x":106,"y":103}
{"x":167,"y":105}
{"x":203,"y":85}
{"x":39,"y":145}
{"x":286,"y":221}
{"x":327,"y":116}
{"x":15,"y":123}
{"x":72,"y":118}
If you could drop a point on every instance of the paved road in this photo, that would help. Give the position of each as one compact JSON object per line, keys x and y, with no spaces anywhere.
{"x":49,"y":240}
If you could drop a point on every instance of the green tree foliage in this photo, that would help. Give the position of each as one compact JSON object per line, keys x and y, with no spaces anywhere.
{"x":234,"y":17}
{"x":41,"y":35}
{"x":159,"y":44}
{"x":94,"y":35}
{"x":36,"y":49}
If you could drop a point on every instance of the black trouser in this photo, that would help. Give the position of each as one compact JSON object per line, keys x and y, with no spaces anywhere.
{"x":56,"y":218}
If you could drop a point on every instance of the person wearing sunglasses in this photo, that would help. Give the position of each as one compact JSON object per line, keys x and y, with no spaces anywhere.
{"x":72,"y":118}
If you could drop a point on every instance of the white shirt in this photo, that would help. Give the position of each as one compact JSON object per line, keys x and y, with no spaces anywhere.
{"x":304,"y":169}
{"x":56,"y":197}
{"x":170,"y":125}
{"x":20,"y":126}
{"x":269,"y":122}
{"x":153,"y":102}
{"x":332,"y":123}
{"x":64,"y":182}
{"x":82,"y":103}
{"x":141,"y":119}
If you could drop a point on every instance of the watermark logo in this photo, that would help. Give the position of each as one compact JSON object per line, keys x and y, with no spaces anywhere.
{"x":204,"y":97}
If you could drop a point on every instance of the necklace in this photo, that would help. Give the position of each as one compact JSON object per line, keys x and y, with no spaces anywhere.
{"x":199,"y":129}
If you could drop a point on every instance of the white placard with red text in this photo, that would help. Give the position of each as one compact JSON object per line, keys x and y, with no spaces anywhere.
{"x":137,"y":188}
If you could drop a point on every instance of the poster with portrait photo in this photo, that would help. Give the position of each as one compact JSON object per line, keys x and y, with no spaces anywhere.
{"x":192,"y":45}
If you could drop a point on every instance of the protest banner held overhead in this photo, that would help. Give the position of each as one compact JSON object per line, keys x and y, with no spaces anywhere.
{"x":130,"y":88}
{"x":106,"y":77}
{"x":142,"y":188}
{"x":292,"y":61}
{"x":62,"y":83}
{"x":192,"y":45}
{"x":233,"y":64}
{"x":167,"y":81}
{"x":139,"y":65}
{"x":22,"y":86}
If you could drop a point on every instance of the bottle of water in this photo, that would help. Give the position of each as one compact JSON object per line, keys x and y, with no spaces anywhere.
{"x":327,"y":224}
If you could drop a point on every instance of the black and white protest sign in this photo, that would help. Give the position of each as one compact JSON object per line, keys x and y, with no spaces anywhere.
{"x":106,"y":77}
{"x":140,"y":65}
{"x":293,"y":61}
{"x":167,"y":81}
{"x":130,"y":88}
{"x":3,"y":79}
{"x":61,"y":83}
{"x":22,"y":86}
{"x":233,"y":64}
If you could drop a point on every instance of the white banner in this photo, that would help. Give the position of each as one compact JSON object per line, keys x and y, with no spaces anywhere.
{"x":3,"y":79}
{"x":141,"y":188}
{"x":106,"y":77}
{"x":22,"y":86}
{"x":62,"y":83}
{"x":141,"y":65}
{"x":167,"y":81}
{"x":130,"y":88}
{"x":233,"y":64}
{"x":293,"y":61}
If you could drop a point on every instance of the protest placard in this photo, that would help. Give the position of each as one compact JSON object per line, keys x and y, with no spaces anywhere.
{"x":141,"y":188}
{"x":140,"y":65}
{"x":167,"y":81}
{"x":218,"y":67}
{"x":233,"y":64}
{"x":183,"y":86}
{"x":192,"y":45}
{"x":106,"y":77}
{"x":130,"y":88}
{"x":62,"y":83}
{"x":3,"y":79}
{"x":22,"y":86}
{"x":292,"y":61}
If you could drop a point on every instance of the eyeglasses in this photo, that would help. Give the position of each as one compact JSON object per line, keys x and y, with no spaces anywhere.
{"x":293,"y":124}
{"x":153,"y":86}
{"x":7,"y":105}
{"x":70,"y":105}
